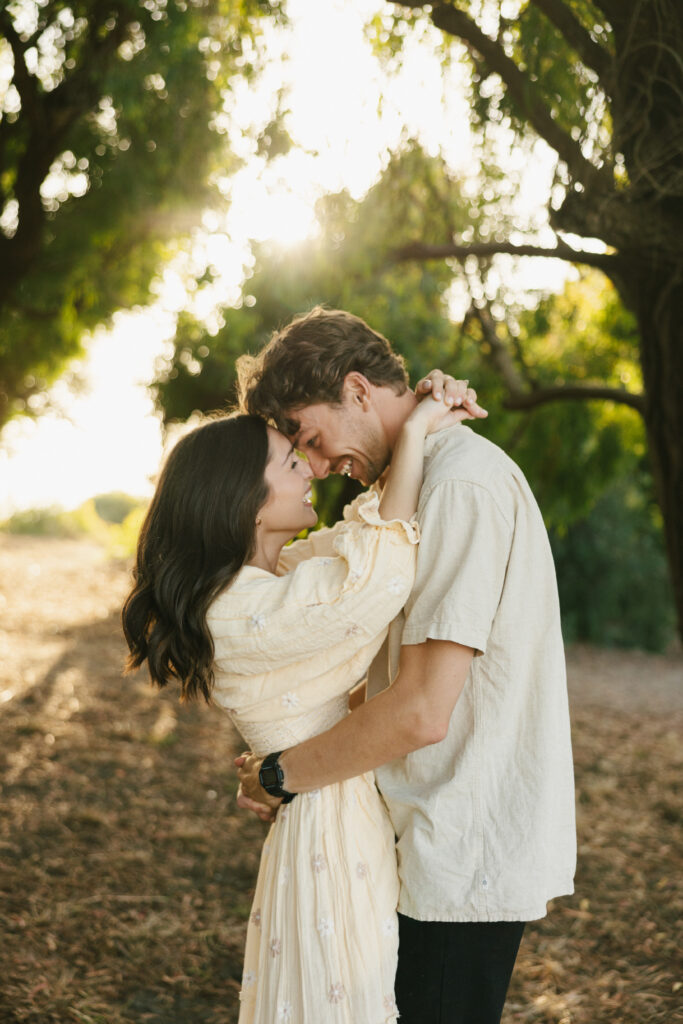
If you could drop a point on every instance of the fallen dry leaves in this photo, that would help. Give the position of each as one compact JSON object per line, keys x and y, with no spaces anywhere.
{"x":125,"y":869}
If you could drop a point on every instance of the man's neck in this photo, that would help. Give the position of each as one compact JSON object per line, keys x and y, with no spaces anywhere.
{"x":394,"y":410}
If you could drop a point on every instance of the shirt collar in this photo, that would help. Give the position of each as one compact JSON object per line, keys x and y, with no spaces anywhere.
{"x":449,"y":435}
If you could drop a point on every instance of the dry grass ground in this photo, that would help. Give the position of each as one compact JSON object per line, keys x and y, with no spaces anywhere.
{"x":125,"y":870}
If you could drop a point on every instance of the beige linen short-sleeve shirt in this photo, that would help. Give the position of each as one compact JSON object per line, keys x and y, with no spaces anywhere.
{"x":485,"y":819}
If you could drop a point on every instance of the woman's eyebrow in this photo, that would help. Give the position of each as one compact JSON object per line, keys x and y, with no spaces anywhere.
{"x":287,"y":455}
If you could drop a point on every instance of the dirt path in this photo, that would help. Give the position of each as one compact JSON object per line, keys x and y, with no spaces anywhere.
{"x":125,"y":869}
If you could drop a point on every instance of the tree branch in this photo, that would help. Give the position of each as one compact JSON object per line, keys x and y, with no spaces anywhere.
{"x":519,"y":397}
{"x":575,"y":392}
{"x":562,"y":251}
{"x":590,"y":52}
{"x":46,"y":117}
{"x":523,"y":92}
{"x":500,"y":356}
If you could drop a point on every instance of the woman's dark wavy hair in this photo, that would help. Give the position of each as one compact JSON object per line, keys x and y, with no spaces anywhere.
{"x":197,"y":534}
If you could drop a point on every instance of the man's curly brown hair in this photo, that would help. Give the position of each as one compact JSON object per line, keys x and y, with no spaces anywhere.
{"x":306,"y":362}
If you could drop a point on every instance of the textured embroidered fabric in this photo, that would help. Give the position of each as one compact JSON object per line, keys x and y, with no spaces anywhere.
{"x":322,"y":938}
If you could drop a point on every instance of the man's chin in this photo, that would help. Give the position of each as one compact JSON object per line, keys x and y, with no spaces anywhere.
{"x":370,"y":475}
{"x":366,"y":475}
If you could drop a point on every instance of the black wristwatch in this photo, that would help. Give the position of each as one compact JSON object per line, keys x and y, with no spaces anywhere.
{"x":271,"y":777}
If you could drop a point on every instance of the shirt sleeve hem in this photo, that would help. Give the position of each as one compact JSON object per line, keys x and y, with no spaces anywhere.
{"x":456,"y":633}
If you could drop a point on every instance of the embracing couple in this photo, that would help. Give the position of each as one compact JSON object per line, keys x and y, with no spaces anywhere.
{"x":438,"y":588}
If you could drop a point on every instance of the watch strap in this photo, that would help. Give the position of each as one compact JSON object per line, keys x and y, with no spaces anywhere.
{"x":271,"y":777}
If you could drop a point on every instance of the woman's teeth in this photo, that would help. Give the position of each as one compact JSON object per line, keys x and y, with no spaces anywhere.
{"x":346,"y":468}
{"x":308,"y":497}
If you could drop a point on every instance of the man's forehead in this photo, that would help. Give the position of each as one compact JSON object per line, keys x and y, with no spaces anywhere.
{"x":307,"y":418}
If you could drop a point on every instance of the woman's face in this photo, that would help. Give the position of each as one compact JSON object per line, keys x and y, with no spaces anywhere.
{"x":289,"y":508}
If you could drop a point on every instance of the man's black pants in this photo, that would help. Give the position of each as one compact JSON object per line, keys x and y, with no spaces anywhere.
{"x":453,"y":973}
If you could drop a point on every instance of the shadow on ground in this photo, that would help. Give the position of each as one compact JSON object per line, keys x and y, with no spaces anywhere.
{"x":124,"y":870}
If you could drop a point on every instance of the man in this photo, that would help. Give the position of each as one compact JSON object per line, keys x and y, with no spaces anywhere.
{"x":467,"y":722}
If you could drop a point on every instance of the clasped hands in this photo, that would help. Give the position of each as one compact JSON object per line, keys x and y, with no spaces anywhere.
{"x":453,"y":392}
{"x":251,"y":796}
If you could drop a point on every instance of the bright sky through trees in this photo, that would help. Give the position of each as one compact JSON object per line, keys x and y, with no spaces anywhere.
{"x":103,"y":435}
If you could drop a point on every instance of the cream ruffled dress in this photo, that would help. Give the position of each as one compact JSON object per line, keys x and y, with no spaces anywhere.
{"x":322,"y":938}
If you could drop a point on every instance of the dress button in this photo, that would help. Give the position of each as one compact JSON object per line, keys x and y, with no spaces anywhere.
{"x":484,"y":883}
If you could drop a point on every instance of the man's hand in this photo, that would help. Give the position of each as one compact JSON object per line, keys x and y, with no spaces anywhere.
{"x":251,"y":796}
{"x":454,"y":392}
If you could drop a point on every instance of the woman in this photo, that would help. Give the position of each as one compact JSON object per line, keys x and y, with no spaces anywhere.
{"x":215,"y":607}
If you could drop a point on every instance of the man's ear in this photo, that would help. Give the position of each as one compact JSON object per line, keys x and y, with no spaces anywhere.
{"x":357,"y":389}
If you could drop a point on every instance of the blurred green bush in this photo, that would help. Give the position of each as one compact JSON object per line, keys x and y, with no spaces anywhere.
{"x":612,"y":573}
{"x":42,"y":522}
{"x":113,"y":520}
{"x":114,"y":507}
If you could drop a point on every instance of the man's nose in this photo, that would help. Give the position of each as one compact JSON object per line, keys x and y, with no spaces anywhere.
{"x":320,"y":467}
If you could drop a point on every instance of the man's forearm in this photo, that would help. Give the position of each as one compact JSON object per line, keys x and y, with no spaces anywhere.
{"x":373,"y":734}
{"x":412,"y":713}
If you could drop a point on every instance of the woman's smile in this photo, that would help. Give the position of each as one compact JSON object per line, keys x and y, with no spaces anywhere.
{"x":289,"y":507}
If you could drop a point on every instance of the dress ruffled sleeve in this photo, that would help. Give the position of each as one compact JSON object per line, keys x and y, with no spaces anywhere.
{"x":323,"y":613}
{"x":318,"y":543}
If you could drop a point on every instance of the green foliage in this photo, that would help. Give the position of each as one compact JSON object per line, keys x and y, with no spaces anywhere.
{"x":555,"y":77}
{"x":132,"y":94}
{"x":557,"y":80}
{"x":122,"y":538}
{"x":612,"y":572}
{"x":114,"y":507}
{"x":573,"y":450}
{"x":570,"y":450}
{"x":42,"y":522}
{"x":344,"y":267}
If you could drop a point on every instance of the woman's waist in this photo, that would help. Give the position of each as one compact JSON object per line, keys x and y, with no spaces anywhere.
{"x":263,"y":737}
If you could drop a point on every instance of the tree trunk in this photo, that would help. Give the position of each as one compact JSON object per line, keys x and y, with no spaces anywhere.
{"x":656,"y":296}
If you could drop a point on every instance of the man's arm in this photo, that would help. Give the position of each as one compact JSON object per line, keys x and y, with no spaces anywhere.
{"x":412,"y":713}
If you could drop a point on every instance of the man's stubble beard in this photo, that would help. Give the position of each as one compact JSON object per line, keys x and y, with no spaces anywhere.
{"x":377,"y":458}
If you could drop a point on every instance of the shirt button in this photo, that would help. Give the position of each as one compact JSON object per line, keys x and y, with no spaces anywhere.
{"x":484,"y":883}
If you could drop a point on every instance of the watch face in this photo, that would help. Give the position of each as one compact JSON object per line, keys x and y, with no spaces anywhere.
{"x":268,"y":777}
